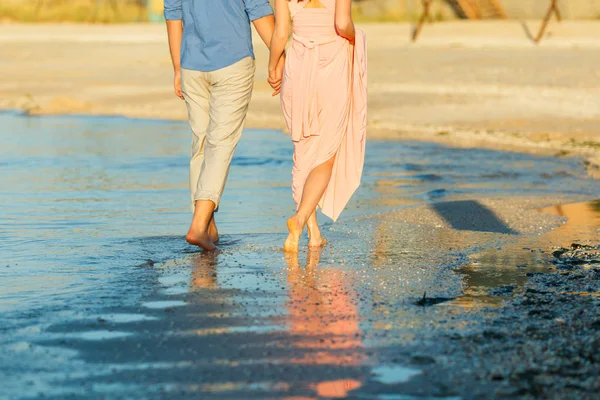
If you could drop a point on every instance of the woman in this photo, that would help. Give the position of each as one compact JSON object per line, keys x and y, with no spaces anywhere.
{"x":324,"y":101}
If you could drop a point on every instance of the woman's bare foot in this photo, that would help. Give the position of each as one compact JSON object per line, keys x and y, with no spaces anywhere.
{"x":295,"y":230}
{"x":317,"y":241}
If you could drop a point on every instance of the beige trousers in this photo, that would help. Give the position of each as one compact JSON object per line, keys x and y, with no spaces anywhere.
{"x":217,"y":103}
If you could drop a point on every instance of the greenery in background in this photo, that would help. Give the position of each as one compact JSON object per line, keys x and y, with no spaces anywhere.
{"x":117,"y":11}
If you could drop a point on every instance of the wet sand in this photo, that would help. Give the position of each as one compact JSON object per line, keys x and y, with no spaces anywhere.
{"x":352,"y":321}
{"x":463,"y":84}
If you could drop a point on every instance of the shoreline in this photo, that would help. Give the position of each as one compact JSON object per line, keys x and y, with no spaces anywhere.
{"x":444,"y":135}
{"x":463,"y":84}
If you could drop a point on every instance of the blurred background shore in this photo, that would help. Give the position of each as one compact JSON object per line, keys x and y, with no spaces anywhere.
{"x":111,"y":11}
{"x":482,"y":83}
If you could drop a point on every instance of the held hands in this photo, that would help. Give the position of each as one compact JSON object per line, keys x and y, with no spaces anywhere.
{"x":177,"y":84}
{"x":276,"y":75}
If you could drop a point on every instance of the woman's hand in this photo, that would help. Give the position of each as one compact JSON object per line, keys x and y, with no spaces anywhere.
{"x":276,"y":76}
{"x":278,"y":42}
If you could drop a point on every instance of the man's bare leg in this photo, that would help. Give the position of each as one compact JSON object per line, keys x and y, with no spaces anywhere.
{"x":198,"y":234}
{"x":213,"y":232}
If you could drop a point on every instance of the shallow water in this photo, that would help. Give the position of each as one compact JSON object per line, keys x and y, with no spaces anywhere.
{"x":93,"y":263}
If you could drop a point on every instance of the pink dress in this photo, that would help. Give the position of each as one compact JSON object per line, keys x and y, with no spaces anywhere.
{"x":324,"y":101}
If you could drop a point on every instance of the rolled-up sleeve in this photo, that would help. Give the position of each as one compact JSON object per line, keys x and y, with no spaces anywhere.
{"x":257,"y":8}
{"x":173,"y":10}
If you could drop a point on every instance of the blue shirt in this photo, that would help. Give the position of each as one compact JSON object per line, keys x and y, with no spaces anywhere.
{"x":216,"y":33}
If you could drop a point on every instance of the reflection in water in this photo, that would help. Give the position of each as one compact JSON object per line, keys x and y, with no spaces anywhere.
{"x":204,"y":273}
{"x":324,"y":319}
{"x":494,"y":275}
{"x":503,"y":271}
{"x":319,"y":326}
{"x":583,"y":224}
{"x":393,"y":374}
{"x":163,"y":304}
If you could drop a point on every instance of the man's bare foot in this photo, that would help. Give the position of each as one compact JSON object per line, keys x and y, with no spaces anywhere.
{"x":200,"y":238}
{"x":200,"y":232}
{"x":213,"y":232}
{"x":295,"y":230}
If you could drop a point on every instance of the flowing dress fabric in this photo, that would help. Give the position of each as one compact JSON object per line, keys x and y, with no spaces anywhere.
{"x":324,"y":102}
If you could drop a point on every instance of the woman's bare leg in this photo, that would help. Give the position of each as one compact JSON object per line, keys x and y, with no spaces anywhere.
{"x":315,"y":239}
{"x":315,"y":186}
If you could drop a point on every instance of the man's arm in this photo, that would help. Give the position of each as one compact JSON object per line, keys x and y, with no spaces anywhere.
{"x":265,"y":27}
{"x":174,"y":17}
{"x":261,"y":15}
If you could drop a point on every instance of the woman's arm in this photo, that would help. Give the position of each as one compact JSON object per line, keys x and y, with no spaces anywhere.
{"x":278,"y":42}
{"x":280,"y":35}
{"x":343,"y":19}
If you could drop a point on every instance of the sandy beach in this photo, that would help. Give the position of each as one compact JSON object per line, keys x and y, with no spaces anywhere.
{"x":468,"y":84}
{"x":465,"y":267}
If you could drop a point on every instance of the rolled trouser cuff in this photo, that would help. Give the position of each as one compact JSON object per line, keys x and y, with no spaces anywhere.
{"x":206,"y":195}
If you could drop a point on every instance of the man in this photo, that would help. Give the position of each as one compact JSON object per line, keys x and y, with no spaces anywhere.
{"x":213,"y":61}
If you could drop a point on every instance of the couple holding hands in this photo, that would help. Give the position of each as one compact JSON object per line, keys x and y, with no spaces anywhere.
{"x":322,"y":83}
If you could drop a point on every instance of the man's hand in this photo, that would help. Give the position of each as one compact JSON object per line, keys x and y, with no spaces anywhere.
{"x":177,"y":84}
{"x":276,"y":75}
{"x":175,"y":32}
